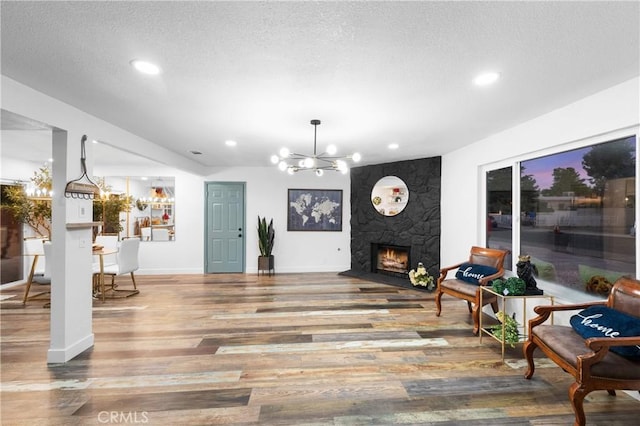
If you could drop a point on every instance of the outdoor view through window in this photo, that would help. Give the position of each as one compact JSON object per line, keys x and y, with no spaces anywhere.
{"x":577,"y":218}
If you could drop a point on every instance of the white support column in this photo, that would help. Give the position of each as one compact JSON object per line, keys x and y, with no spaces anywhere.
{"x":71,"y":301}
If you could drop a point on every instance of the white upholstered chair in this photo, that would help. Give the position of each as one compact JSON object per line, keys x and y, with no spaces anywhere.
{"x":109,"y":242}
{"x":127,"y":263}
{"x":160,"y":234}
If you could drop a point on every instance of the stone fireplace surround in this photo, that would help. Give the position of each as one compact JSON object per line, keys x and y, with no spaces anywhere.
{"x":417,"y":227}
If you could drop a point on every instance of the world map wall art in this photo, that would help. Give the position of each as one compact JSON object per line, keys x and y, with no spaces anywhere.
{"x":314,"y":210}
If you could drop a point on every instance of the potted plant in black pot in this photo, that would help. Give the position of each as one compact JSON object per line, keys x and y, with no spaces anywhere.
{"x":266,"y":236}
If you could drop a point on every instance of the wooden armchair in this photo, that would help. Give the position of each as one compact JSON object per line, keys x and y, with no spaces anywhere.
{"x":471,"y":291}
{"x":589,"y":361}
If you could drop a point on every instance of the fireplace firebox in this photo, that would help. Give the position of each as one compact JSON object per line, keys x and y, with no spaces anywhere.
{"x":391,"y":260}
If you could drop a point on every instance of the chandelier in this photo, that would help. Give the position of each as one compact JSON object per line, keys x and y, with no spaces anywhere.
{"x":292,"y":162}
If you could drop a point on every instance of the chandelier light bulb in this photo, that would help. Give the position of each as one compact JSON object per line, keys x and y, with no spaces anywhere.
{"x":284,"y":152}
{"x":341,"y":166}
{"x":301,"y":163}
{"x":275,"y":159}
{"x":319,"y":172}
{"x":356,"y":157}
{"x":291,"y":170}
{"x":282,"y":166}
{"x":331,"y":149}
{"x":309,"y":162}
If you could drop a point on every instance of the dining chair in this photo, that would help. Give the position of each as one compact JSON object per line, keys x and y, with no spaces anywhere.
{"x":40,"y":271}
{"x":108,"y":242}
{"x":127,"y":263}
{"x":145,"y":232}
{"x":160,"y":234}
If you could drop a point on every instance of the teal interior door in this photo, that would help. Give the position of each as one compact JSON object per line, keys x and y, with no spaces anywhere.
{"x":225,"y":227}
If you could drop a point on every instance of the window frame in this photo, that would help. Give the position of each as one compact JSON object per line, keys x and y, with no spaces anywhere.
{"x":559,"y":290}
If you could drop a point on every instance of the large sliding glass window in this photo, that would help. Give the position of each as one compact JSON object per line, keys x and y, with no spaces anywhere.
{"x":577,"y":214}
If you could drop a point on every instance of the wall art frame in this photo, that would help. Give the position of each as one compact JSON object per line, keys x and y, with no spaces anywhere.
{"x":314,"y":210}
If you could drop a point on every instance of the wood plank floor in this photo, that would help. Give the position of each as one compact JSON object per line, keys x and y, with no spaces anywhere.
{"x":291,"y":349}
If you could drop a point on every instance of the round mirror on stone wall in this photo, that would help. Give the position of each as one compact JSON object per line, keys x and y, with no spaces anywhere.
{"x":390,"y":195}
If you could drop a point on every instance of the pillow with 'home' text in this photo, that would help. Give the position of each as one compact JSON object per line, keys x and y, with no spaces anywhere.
{"x":473,"y":273}
{"x":602,"y":321}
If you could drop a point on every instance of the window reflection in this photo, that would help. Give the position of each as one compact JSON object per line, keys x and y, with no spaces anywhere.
{"x":151,"y":215}
{"x":578,"y":214}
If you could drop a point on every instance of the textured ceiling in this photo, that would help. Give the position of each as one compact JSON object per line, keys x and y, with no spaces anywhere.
{"x":373,"y":72}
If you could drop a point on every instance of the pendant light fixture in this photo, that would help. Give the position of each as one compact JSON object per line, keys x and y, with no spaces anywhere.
{"x":292,"y":162}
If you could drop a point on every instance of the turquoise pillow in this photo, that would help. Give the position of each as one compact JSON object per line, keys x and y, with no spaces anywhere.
{"x":473,"y":273}
{"x":602,"y":321}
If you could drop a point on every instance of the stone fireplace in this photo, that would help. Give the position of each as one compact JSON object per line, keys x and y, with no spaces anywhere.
{"x":416,"y":228}
{"x":391,"y":259}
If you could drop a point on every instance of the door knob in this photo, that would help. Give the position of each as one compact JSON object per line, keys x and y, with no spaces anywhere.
{"x":239,"y":235}
{"x":239,"y":229}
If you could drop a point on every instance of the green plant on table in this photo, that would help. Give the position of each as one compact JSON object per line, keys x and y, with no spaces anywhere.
{"x":512,"y":286}
{"x":510,"y":328}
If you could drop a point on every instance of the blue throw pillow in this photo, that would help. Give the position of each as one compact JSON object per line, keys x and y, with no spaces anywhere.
{"x":472,"y":273}
{"x":601,"y":321}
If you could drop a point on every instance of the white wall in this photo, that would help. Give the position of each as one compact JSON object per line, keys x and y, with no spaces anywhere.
{"x":266,"y":196}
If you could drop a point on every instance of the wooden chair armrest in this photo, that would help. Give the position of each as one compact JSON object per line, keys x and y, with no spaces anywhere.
{"x":444,"y":271}
{"x":541,"y":309}
{"x":486,"y":280}
{"x":596,"y":343}
{"x":600,"y":347}
{"x":544,"y":311}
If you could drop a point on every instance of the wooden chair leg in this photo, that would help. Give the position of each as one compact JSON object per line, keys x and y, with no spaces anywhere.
{"x":438,"y":299}
{"x":475,"y":316}
{"x":134,"y":281}
{"x":470,"y":306}
{"x":528,"y":349}
{"x":576,"y":396}
{"x":32,"y":272}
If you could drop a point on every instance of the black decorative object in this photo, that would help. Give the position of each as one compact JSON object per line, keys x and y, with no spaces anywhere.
{"x":525,"y":270}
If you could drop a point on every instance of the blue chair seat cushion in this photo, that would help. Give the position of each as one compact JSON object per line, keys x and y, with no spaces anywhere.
{"x":602,"y":321}
{"x":473,"y":273}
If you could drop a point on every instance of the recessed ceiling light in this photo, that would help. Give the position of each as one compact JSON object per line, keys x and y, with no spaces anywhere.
{"x":230,"y":143}
{"x":486,"y":79}
{"x":145,"y":67}
{"x":393,"y":146}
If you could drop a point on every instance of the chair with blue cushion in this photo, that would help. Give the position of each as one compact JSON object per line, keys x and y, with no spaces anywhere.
{"x":483,"y":266}
{"x":600,"y":347}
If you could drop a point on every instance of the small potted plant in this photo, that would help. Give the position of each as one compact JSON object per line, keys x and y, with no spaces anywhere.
{"x":266,"y":236}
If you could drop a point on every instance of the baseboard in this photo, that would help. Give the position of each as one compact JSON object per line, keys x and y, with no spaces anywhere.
{"x":58,"y":356}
